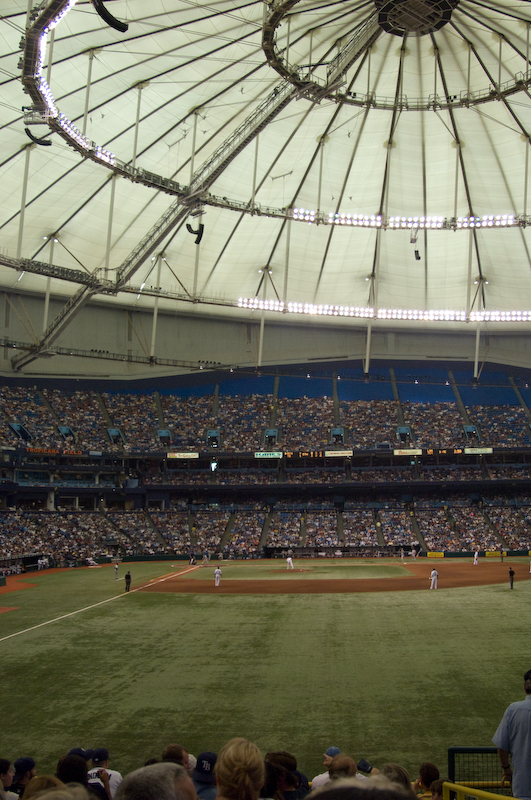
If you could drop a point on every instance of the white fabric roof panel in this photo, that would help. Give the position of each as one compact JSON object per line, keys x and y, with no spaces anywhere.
{"x":419,"y":91}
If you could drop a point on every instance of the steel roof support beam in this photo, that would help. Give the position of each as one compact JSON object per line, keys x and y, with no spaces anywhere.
{"x":203,"y":178}
{"x":55,"y":329}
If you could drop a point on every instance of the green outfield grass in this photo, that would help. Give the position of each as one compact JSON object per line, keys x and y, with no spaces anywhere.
{"x":388,"y":676}
{"x":304,"y":569}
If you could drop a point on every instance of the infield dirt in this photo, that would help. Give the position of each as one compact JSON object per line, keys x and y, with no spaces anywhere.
{"x":452,"y":574}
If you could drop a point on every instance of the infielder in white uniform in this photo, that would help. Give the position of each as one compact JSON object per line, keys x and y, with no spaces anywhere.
{"x":217,"y":576}
{"x":476,"y":558}
{"x":433,"y":578}
{"x":289,"y":562}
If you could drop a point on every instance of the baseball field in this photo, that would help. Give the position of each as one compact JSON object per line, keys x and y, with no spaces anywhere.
{"x":357,"y":654}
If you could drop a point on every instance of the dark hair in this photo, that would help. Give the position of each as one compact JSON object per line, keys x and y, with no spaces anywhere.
{"x":72,"y":769}
{"x":270,"y":787}
{"x":4,"y":766}
{"x":437,"y":786}
{"x":428,"y":773}
{"x":174,"y":753}
{"x":286,"y":764}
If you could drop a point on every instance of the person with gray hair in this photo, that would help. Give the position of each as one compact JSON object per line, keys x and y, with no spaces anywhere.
{"x":165,"y":781}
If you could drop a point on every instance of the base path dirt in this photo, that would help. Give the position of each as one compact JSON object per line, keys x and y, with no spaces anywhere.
{"x":453,"y":574}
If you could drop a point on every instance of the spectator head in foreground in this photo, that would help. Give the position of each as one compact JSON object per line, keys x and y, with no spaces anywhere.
{"x":398,"y":774}
{"x":239,"y":770}
{"x":177,"y":754}
{"x":165,"y":781}
{"x":72,"y":791}
{"x":41,"y":784}
{"x":7,"y":773}
{"x":375,"y":788}
{"x":24,"y":770}
{"x":436,"y":789}
{"x":428,"y":773}
{"x":342,"y":767}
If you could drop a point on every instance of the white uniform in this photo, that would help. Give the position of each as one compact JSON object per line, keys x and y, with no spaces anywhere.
{"x":217,"y":576}
{"x":116,"y":572}
{"x":115,"y":778}
{"x":433,"y":579}
{"x":413,"y":554}
{"x":289,"y":562}
{"x":476,"y":557}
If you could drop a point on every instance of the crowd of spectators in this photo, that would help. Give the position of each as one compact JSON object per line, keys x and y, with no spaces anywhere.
{"x":501,"y":473}
{"x":244,"y":537}
{"x":25,"y":406}
{"x":238,"y":772}
{"x":511,"y":526}
{"x":306,"y":422}
{"x":66,"y":537}
{"x":303,"y":423}
{"x":321,"y":529}
{"x":383,"y":475}
{"x":396,"y":527}
{"x":243,"y":420}
{"x":284,"y":529}
{"x":501,"y":425}
{"x":135,"y":415}
{"x":434,"y":424}
{"x":136,"y":527}
{"x":369,"y":422}
{"x":474,"y":531}
{"x":451,"y":473}
{"x":316,"y":475}
{"x":241,"y":477}
{"x":69,"y":536}
{"x":188,"y":419}
{"x":81,"y":412}
{"x":436,"y":530}
{"x":359,"y":528}
{"x":208,"y":529}
{"x":173,"y":527}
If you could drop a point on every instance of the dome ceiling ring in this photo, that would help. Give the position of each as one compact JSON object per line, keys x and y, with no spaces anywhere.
{"x":326,"y":78}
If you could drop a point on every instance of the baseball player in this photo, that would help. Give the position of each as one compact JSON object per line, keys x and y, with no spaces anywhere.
{"x":289,"y":562}
{"x":116,"y":572}
{"x":476,"y":558}
{"x":433,"y":578}
{"x":217,"y":576}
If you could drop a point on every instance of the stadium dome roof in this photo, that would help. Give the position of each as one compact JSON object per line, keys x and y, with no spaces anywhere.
{"x":336,"y":159}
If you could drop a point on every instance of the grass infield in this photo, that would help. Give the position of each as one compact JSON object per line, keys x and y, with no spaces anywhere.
{"x":390,"y":676}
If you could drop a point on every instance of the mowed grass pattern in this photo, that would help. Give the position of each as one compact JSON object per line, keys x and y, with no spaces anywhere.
{"x":389,"y":676}
{"x":304,"y":569}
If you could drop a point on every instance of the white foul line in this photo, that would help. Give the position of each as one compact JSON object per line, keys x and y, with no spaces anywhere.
{"x":95,"y":605}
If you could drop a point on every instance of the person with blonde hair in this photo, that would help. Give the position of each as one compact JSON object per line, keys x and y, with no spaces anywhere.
{"x":239,"y":771}
{"x":41,"y":784}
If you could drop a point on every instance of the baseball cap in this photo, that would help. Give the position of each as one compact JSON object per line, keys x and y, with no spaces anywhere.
{"x":332,"y":752}
{"x":79,"y":751}
{"x":100,"y":754}
{"x":204,"y":769}
{"x":23,"y":765}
